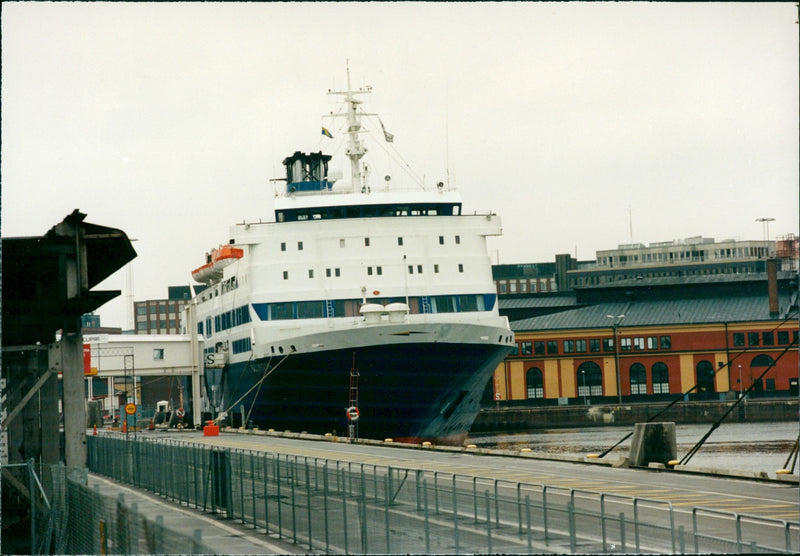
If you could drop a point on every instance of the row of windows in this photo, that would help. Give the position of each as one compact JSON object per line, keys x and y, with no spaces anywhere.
{"x":368,"y":211}
{"x":378,"y":270}
{"x":456,"y":240}
{"x":241,"y":346}
{"x":763,"y":338}
{"x":589,"y":378}
{"x":224,"y":321}
{"x":349,"y":307}
{"x":593,"y":345}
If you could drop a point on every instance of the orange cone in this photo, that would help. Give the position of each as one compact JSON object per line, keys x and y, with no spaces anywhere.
{"x":94,"y":430}
{"x":125,"y":426}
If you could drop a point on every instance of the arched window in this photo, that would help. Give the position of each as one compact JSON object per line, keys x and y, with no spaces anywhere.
{"x":638,"y":379}
{"x":535,"y":383}
{"x":589,"y":377}
{"x":758,"y":365}
{"x":660,"y":378}
{"x":705,"y":377}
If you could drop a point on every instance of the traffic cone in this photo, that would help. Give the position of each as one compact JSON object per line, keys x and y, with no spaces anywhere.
{"x":125,"y":425}
{"x":94,"y":430}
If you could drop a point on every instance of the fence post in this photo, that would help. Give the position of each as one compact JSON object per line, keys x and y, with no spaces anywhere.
{"x":488,"y":523}
{"x":158,"y":535}
{"x":528,"y":519}
{"x":622,"y":531}
{"x":294,"y":504}
{"x":682,"y":539}
{"x":344,"y":512}
{"x":417,"y":485}
{"x":544,"y":513}
{"x":475,"y":498}
{"x":197,"y":541}
{"x":519,"y":506}
{"x":278,"y":495}
{"x":427,"y":524}
{"x":603,"y":518}
{"x":363,"y":486}
{"x":738,"y":534}
{"x":636,"y":522}
{"x":253,"y":488}
{"x":386,"y":510}
{"x":455,"y":515}
{"x":325,"y":504}
{"x":571,"y":520}
{"x":308,"y":499}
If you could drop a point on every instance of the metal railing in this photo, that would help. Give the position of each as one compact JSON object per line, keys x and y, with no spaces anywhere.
{"x":344,"y":507}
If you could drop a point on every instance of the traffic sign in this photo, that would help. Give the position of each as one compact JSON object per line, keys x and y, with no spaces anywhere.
{"x":130,"y":408}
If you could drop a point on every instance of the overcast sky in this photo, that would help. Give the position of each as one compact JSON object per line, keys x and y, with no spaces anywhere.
{"x":584,"y":126}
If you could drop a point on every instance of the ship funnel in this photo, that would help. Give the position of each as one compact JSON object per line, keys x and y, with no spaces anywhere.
{"x":307,"y":173}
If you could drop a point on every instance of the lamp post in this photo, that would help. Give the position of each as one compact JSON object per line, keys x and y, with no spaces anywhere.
{"x":616,"y":319}
{"x":740,"y":381}
{"x":583,"y":380}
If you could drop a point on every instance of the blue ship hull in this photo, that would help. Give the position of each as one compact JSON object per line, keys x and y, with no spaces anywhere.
{"x":410,"y":393}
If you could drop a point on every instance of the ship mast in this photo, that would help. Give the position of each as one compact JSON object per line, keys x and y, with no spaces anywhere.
{"x":355,"y":149}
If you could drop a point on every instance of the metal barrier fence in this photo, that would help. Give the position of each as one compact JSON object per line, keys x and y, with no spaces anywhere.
{"x":68,"y":517}
{"x":344,"y":507}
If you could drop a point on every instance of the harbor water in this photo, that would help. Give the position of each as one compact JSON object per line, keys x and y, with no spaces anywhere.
{"x":732,"y":446}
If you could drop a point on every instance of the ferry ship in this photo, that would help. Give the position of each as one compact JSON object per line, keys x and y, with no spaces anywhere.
{"x":360,"y":309}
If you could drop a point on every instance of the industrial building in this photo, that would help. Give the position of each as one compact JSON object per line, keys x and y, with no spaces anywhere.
{"x":711,"y":336}
{"x":162,"y":316}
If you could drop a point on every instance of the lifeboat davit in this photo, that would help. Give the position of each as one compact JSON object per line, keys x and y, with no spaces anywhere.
{"x":215,"y":262}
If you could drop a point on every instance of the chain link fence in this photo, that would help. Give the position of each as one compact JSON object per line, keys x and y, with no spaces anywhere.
{"x":68,"y":517}
{"x":343,"y":507}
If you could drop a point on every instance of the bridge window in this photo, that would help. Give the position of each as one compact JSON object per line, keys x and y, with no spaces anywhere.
{"x":158,"y":353}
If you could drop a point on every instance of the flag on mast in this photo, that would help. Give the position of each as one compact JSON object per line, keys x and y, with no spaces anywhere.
{"x":386,"y":135}
{"x":326,"y":133}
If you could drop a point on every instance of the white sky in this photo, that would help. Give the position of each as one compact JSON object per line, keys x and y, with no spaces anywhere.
{"x":575,"y":122}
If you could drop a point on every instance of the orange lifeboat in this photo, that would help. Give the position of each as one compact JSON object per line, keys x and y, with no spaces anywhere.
{"x":215,"y":262}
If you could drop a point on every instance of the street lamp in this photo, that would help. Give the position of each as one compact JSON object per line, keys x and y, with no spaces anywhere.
{"x":740,"y":381}
{"x":583,"y":380}
{"x":615,"y":324}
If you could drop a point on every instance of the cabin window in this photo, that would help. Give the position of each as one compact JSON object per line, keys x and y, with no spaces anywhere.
{"x":458,"y":240}
{"x":283,"y":246}
{"x":436,"y":269}
{"x":337,"y":272}
{"x":411,"y":269}
{"x":285,"y":274}
{"x":299,"y":245}
{"x":328,"y":272}
{"x":341,"y":243}
{"x":441,"y":240}
{"x":379,"y":270}
{"x":366,"y":242}
{"x":419,"y":269}
{"x":460,"y":267}
{"x":310,"y":272}
{"x":158,"y":353}
{"x":399,"y":241}
{"x":369,"y":271}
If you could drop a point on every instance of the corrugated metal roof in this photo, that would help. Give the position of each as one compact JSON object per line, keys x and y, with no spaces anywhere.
{"x":657,"y":313}
{"x":538,"y":301}
{"x":688,"y":280}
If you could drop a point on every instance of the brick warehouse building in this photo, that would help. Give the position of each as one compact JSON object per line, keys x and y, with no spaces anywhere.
{"x":657,"y":337}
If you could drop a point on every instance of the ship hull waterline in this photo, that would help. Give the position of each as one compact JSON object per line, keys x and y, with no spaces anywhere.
{"x":413,"y":392}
